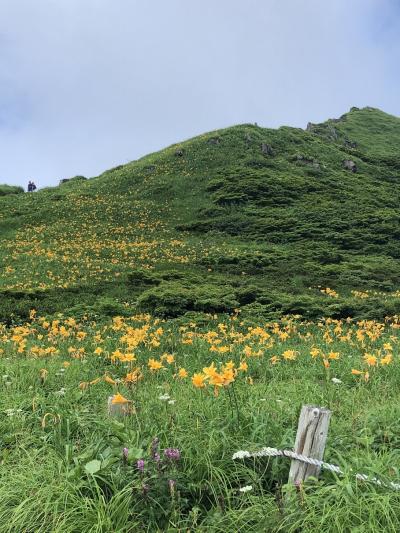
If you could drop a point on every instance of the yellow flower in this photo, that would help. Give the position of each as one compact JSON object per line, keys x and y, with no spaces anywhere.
{"x":217,"y":380}
{"x":118,"y":398}
{"x":98,"y":350}
{"x":289,"y":355}
{"x":153,"y":364}
{"x":198,"y":380}
{"x":182,"y":373}
{"x":314,"y":352}
{"x":333,"y":355}
{"x":387,"y":359}
{"x":274,"y":359}
{"x":228,"y":376}
{"x":243,"y":366}
{"x":371,"y":360}
{"x":223,"y":349}
{"x":116,"y":355}
{"x":248,"y":352}
{"x":128,"y":358}
{"x":107,"y":379}
{"x":209,"y":371}
{"x":356,"y":372}
{"x":134,"y":376}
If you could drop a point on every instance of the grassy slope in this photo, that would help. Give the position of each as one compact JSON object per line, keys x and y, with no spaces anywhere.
{"x":282,"y":221}
{"x":255,"y":229}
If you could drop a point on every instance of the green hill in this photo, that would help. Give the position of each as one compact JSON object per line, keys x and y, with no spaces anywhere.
{"x":246,"y":217}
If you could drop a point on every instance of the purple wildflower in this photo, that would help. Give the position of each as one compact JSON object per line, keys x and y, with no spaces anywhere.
{"x":145,"y":489}
{"x":140,"y":465}
{"x":173,"y":454}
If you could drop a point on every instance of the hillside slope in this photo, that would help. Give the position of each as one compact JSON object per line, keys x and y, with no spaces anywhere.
{"x":246,"y":216}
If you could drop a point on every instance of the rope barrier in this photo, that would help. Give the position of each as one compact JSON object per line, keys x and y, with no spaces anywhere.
{"x":274,"y":452}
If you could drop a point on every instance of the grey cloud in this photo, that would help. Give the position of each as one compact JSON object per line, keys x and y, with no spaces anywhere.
{"x":88,"y":84}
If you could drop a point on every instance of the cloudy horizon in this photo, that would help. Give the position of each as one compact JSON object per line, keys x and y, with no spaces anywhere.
{"x":86,"y":85}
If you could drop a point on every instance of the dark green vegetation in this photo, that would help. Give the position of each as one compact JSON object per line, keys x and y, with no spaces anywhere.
{"x":10,"y":189}
{"x":245,"y":216}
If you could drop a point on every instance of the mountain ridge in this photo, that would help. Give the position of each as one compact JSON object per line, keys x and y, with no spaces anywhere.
{"x":242,"y":216}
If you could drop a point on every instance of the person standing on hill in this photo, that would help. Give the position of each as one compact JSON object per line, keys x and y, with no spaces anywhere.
{"x":31,"y":186}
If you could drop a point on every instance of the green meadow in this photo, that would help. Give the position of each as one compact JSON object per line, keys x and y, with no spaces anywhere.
{"x":208,"y":291}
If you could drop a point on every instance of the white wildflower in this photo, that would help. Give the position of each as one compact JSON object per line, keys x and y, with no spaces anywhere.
{"x":171,"y":402}
{"x":247,"y":488}
{"x":336,"y":381}
{"x":164,"y":397}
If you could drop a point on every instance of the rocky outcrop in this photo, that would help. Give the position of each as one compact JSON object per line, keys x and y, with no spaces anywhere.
{"x":350,"y":165}
{"x":267,"y":149}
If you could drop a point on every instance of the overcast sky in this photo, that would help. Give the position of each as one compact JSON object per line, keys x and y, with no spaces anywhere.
{"x":89,"y":84}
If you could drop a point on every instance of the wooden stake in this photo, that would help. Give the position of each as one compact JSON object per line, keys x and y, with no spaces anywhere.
{"x":119,"y":409}
{"x":312,"y":433}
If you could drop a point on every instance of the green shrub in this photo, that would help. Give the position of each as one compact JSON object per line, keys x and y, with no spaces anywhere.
{"x":171,"y":299}
{"x":10,"y":189}
{"x":141,"y":277}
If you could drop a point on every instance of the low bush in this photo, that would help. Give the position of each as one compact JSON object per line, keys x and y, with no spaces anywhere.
{"x":176,"y":298}
{"x":10,"y":189}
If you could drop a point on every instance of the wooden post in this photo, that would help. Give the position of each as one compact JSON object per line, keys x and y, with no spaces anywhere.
{"x":311,"y":438}
{"x":119,"y":409}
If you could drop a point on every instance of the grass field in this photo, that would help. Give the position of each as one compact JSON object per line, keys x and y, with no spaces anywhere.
{"x":207,"y":390}
{"x":211,"y":289}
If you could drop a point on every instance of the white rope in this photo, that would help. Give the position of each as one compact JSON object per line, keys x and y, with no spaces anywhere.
{"x":274,"y":452}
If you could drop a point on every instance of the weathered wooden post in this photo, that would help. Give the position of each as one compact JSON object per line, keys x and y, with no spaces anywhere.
{"x":118,"y":406}
{"x":312,"y":433}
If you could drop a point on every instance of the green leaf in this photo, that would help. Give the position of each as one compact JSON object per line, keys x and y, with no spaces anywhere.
{"x":135,"y":453}
{"x":93,"y":466}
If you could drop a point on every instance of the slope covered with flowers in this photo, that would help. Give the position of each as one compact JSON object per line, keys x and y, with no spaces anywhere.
{"x":263,"y":219}
{"x":194,"y":394}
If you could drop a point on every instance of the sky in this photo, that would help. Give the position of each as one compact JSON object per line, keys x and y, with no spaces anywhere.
{"x":86,"y":85}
